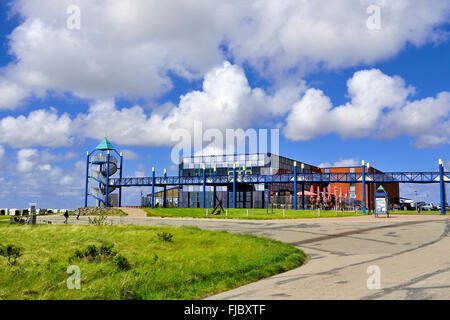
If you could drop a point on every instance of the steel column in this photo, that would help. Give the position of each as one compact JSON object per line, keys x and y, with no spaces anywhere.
{"x":214,"y":186}
{"x":153,"y":187}
{"x":303,"y":186}
{"x":295,"y":185}
{"x":363,"y":187}
{"x":244,"y":200}
{"x":368,"y":187}
{"x":234,"y":186}
{"x":87,"y":181}
{"x":204,"y":186}
{"x":442,"y":185}
{"x":108,"y":158}
{"x":120,"y":175}
{"x":165,"y":189}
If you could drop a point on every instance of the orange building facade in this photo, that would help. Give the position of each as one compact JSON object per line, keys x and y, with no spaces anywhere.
{"x":355,"y":190}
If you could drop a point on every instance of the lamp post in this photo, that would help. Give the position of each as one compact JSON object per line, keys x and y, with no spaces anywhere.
{"x":153,"y":187}
{"x":415,"y":201}
{"x":214,"y":187}
{"x":87,"y":180}
{"x":204,"y":186}
{"x":120,"y":176}
{"x":363,"y":167}
{"x":369,"y":192}
{"x":303,"y":186}
{"x":442,"y":185}
{"x":234,"y":186}
{"x":295,"y":185}
{"x":165,"y":189}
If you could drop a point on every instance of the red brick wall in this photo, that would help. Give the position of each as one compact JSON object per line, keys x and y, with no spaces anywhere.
{"x":392,"y":189}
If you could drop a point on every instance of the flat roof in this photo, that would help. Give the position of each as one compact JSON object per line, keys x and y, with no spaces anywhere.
{"x":248,"y":154}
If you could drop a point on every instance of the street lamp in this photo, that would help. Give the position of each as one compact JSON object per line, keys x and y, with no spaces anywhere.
{"x":415,"y":201}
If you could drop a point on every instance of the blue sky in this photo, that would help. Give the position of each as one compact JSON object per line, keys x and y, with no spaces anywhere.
{"x":334,"y":88}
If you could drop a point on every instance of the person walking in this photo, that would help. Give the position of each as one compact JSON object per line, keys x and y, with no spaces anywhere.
{"x":66,"y":215}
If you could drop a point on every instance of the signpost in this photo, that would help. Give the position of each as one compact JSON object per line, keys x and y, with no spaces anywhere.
{"x":381,"y":202}
{"x":32,"y":219}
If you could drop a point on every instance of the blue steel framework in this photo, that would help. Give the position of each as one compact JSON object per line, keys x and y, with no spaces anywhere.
{"x":302,"y":177}
{"x":97,"y":157}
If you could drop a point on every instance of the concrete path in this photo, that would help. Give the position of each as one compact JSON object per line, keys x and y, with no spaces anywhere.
{"x":411,"y":252}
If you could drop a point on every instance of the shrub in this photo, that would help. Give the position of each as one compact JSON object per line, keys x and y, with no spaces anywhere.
{"x":78,"y":254}
{"x":165,"y":237}
{"x":106,"y":250}
{"x":91,"y":252}
{"x":18,"y":220}
{"x":121,"y":262}
{"x":126,"y":294}
{"x":99,"y":221}
{"x":11,"y":251}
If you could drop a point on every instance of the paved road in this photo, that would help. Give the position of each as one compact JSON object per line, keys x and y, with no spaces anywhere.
{"x":134,"y":212}
{"x":411,"y":252}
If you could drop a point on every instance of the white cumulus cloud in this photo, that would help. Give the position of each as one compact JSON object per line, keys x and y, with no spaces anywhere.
{"x":26,"y":159}
{"x":131,"y":48}
{"x":227,"y":101}
{"x":40,"y":128}
{"x":378,"y":107}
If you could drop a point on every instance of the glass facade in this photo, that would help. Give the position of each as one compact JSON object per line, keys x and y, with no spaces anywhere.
{"x":247,"y":195}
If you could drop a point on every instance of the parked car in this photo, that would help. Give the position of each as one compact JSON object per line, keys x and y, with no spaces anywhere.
{"x":428,"y":207}
{"x":447,"y":207}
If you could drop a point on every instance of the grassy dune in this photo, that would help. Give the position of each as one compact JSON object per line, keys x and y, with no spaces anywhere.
{"x":195,"y":264}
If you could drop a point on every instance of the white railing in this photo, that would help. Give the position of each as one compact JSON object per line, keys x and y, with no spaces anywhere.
{"x":103,"y":158}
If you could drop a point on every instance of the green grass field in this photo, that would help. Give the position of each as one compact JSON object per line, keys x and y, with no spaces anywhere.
{"x":414,"y":212}
{"x":253,"y":214}
{"x":195,"y":264}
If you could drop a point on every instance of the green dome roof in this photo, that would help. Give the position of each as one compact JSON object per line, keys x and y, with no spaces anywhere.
{"x":105,"y":145}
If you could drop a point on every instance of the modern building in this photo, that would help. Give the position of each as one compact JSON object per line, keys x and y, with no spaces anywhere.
{"x":355,"y":190}
{"x":280,"y":195}
{"x":170,"y":200}
{"x":248,"y":195}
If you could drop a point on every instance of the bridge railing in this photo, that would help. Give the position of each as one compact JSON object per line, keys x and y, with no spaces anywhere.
{"x":386,"y":177}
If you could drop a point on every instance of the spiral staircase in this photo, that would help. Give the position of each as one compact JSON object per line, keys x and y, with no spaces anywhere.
{"x":99,"y":172}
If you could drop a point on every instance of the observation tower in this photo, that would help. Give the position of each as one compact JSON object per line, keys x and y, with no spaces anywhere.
{"x":102,"y":164}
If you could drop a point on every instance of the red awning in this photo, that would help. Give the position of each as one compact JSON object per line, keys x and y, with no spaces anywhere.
{"x":307,"y":193}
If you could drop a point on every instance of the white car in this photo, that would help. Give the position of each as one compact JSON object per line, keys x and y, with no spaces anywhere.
{"x":428,"y":207}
